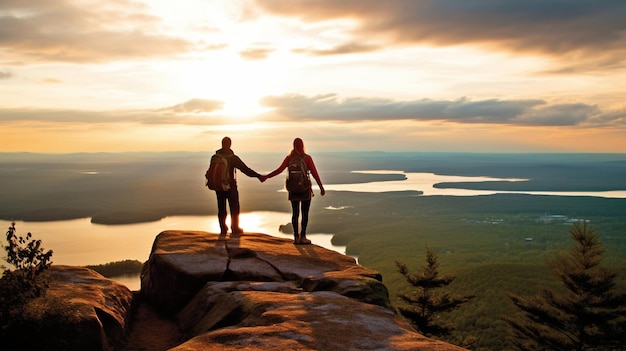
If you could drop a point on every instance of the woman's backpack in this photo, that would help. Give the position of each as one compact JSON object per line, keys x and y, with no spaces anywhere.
{"x":298,"y":180}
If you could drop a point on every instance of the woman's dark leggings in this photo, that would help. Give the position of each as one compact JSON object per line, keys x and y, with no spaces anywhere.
{"x":295,"y":213}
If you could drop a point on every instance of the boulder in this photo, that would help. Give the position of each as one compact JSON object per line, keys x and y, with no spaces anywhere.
{"x":181,"y":262}
{"x":81,"y":310}
{"x":260,"y":292}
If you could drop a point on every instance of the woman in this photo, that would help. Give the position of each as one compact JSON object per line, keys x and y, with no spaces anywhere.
{"x":300,"y":197}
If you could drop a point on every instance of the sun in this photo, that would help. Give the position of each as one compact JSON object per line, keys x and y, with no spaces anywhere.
{"x":234,"y":62}
{"x":238,"y":83}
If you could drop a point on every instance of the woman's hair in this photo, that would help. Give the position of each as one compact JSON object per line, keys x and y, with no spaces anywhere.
{"x":298,"y":146}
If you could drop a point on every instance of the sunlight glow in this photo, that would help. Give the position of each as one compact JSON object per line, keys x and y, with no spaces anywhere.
{"x":227,"y":78}
{"x":252,"y":222}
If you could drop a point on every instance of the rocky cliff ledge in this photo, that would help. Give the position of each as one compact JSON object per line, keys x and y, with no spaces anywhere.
{"x":264,"y":293}
{"x":253,"y":292}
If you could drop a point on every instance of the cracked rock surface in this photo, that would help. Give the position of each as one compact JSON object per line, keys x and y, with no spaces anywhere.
{"x":260,"y":292}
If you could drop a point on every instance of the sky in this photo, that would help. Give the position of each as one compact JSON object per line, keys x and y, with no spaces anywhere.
{"x":350,"y":75}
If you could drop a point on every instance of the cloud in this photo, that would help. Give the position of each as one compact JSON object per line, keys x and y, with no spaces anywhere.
{"x":195,"y":106}
{"x":556,"y":27}
{"x":5,"y":75}
{"x":69,"y":31}
{"x":509,"y":112}
{"x":192,"y":112}
{"x":257,"y":52}
{"x":51,"y":80}
{"x":348,"y":48}
{"x":617,"y":117}
{"x":559,"y":115}
{"x":330,"y":108}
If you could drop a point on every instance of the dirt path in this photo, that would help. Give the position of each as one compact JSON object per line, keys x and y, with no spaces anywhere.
{"x":152,"y":332}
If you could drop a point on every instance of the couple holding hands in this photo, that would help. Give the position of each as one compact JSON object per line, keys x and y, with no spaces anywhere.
{"x":300,"y":198}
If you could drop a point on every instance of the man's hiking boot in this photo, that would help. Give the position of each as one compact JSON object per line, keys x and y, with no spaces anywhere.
{"x":223,"y":228}
{"x":300,"y":239}
{"x":304,"y":240}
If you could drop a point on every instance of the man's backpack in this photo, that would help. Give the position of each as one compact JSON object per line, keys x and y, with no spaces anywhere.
{"x":298,"y":180}
{"x":218,"y":175}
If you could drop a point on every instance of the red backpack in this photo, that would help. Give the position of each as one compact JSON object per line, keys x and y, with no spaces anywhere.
{"x":218,"y":175}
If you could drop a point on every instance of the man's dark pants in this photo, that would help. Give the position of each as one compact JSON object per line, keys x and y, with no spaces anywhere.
{"x":232,"y":196}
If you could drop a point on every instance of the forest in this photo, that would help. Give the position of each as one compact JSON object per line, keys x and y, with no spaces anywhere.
{"x":495,"y":245}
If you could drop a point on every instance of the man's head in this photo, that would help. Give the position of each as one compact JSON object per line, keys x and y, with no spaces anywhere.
{"x":226,"y":143}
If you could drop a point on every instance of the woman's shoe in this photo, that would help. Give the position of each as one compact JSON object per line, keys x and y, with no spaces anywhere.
{"x":296,"y":238}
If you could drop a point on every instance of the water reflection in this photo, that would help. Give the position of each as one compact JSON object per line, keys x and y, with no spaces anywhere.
{"x":425,"y":182}
{"x":79,"y":242}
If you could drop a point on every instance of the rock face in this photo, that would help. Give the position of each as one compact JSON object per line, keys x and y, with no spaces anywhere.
{"x":250,"y":291}
{"x":264,"y":293}
{"x":81,"y":310}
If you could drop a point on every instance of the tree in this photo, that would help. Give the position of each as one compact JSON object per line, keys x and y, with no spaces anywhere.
{"x":25,"y":282}
{"x":424,"y":303}
{"x":587,"y":315}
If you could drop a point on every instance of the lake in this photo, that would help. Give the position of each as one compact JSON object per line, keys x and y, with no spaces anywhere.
{"x":79,"y":242}
{"x":425,"y":182}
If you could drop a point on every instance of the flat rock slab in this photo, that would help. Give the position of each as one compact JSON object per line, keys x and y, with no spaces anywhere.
{"x":187,"y":260}
{"x":258,"y":292}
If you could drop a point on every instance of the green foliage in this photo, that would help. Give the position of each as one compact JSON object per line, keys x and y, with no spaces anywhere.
{"x":25,"y":282}
{"x":112,"y":269}
{"x":586,"y":315}
{"x":26,"y":254}
{"x":479,"y":239}
{"x":424,"y":304}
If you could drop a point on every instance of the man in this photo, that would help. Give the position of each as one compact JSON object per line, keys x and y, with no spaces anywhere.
{"x":232,"y":195}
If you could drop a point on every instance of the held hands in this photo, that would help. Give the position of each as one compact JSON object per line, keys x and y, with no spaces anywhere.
{"x":322,"y":191}
{"x":262,"y":178}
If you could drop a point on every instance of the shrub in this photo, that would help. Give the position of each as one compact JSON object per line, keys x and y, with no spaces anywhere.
{"x":25,"y":282}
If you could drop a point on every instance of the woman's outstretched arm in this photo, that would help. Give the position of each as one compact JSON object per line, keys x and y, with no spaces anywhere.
{"x":280,"y":168}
